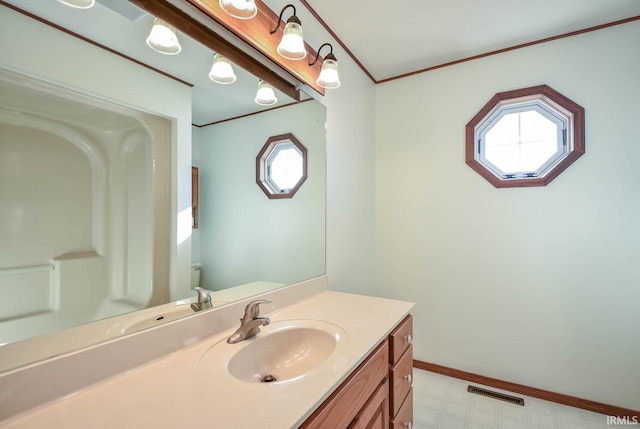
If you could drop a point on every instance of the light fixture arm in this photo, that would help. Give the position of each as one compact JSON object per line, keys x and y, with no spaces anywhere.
{"x":329,"y":55}
{"x":293,"y":18}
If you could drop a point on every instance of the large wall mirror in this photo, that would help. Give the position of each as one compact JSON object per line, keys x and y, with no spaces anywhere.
{"x":90,"y":181}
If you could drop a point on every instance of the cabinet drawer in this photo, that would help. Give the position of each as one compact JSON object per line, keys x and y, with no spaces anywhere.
{"x":404,"y":418}
{"x":348,"y":399}
{"x":401,"y":338}
{"x":402,"y":380}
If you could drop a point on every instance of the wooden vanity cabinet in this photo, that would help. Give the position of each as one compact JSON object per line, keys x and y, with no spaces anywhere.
{"x":378,"y":394}
{"x":349,"y":403}
{"x":375,"y":413}
{"x":401,"y":375}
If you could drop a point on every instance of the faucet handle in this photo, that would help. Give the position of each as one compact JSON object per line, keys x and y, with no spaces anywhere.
{"x":253,"y":308}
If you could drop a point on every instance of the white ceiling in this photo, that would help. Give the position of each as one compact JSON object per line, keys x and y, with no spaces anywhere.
{"x":391,"y":38}
{"x":125,"y":30}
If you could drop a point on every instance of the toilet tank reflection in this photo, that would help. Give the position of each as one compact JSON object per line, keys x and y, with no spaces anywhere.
{"x":79,"y":181}
{"x":196,"y":269}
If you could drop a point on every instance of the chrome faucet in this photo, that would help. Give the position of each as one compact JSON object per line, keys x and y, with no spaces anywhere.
{"x":250,"y":322}
{"x":203,"y":302}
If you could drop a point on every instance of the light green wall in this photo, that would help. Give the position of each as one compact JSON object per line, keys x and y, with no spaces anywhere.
{"x":245,"y":236}
{"x":350,"y":167}
{"x":538,"y":286}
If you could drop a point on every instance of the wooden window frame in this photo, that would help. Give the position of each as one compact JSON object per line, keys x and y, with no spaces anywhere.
{"x":261,"y":170}
{"x":576,"y":122}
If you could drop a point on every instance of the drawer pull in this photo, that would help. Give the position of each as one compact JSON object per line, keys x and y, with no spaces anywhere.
{"x":408,"y":339}
{"x":409,"y":379}
{"x":408,"y":425}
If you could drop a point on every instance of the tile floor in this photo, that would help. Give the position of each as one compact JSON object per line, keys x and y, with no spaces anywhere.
{"x":442,"y":402}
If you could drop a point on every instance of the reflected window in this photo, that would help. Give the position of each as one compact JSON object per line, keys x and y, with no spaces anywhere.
{"x":525,"y":137}
{"x":281,"y":166}
{"x":284,"y":167}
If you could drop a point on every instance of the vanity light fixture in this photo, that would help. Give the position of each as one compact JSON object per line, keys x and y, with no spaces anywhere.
{"x":79,"y":4}
{"x":265,"y":96}
{"x":163,"y":38}
{"x":329,"y":77}
{"x":292,"y":44}
{"x":242,"y":9}
{"x":221,"y":70}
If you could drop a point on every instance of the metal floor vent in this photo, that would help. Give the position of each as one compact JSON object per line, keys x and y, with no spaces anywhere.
{"x":495,"y":395}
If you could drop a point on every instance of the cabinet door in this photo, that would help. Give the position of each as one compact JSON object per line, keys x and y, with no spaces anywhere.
{"x":349,"y":398}
{"x":375,"y":413}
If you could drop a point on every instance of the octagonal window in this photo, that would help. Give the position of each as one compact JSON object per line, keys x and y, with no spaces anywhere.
{"x":284,"y":167}
{"x":525,"y":137}
{"x":281,"y":166}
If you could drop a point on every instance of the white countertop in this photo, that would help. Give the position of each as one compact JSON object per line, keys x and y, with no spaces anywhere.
{"x":175,"y":392}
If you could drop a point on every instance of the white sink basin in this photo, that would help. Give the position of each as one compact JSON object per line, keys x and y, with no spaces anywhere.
{"x":158,"y":318}
{"x":283,"y":351}
{"x":155,"y":316}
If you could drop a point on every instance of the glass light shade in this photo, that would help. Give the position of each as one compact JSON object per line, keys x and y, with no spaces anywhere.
{"x":163,"y":38}
{"x":80,"y":4}
{"x":292,"y":44}
{"x":221,"y":70}
{"x":265,"y":96}
{"x":242,"y":9}
{"x":329,"y":74}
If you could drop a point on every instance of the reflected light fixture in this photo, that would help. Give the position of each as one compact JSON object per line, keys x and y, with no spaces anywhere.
{"x":163,"y":38}
{"x":221,"y":70}
{"x":329,"y":77}
{"x":80,"y":4}
{"x":292,"y":44}
{"x":242,"y":9}
{"x":265,"y":96}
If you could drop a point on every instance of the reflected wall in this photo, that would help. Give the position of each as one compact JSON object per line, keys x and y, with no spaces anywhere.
{"x":243,"y":236}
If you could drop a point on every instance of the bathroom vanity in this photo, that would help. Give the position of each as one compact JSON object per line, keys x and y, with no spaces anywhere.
{"x":337,"y":360}
{"x":378,"y":392}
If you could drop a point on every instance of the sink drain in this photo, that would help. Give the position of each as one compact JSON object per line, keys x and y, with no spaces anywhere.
{"x":268,"y":379}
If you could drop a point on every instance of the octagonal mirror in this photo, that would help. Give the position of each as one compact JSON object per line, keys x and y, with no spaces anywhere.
{"x":281,"y":166}
{"x":525,"y":137}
